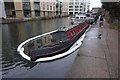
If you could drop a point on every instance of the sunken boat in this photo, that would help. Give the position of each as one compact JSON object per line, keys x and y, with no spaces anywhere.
{"x":54,"y":44}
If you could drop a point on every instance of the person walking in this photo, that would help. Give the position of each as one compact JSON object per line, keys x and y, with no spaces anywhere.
{"x":96,"y":18}
{"x":101,"y":20}
{"x":100,"y":25}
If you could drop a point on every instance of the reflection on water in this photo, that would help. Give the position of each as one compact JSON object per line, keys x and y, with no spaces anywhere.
{"x":13,"y":34}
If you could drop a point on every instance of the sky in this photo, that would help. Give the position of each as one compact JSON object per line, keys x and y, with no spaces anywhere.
{"x":95,"y":3}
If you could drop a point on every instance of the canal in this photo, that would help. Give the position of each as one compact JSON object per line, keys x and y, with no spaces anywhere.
{"x":14,"y":66}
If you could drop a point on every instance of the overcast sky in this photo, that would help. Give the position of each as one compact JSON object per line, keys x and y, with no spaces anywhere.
{"x":95,"y":3}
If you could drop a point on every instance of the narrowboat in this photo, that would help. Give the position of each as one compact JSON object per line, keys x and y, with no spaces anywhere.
{"x":54,"y":44}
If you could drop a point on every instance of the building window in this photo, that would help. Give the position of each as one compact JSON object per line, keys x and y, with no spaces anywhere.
{"x":71,"y":3}
{"x":50,"y":13}
{"x":43,"y":13}
{"x":26,"y":6}
{"x":80,"y":6}
{"x":76,"y":6}
{"x":37,"y":6}
{"x":76,"y":3}
{"x":37,"y":13}
{"x":54,"y":8}
{"x":81,"y":3}
{"x":84,"y":9}
{"x":10,"y":9}
{"x":70,"y":6}
{"x":76,"y":12}
{"x":76,"y":9}
{"x":27,"y":13}
{"x":43,"y":5}
{"x":70,"y":9}
{"x":54,"y":13}
{"x":50,"y":7}
{"x":47,"y":5}
{"x":76,"y":0}
{"x":71,"y":13}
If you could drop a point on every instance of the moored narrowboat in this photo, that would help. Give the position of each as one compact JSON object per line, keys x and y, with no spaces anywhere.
{"x":54,"y":43}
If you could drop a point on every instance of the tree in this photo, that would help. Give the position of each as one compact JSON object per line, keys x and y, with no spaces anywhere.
{"x":113,"y":8}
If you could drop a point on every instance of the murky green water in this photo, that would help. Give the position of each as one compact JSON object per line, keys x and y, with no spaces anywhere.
{"x":14,"y":66}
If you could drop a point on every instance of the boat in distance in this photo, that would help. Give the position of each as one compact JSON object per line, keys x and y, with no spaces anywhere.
{"x":55,"y":44}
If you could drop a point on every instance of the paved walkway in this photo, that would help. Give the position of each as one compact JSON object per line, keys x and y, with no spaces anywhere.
{"x":0,"y":51}
{"x":97,"y":58}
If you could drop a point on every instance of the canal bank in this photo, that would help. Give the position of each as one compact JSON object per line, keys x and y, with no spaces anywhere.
{"x":18,"y":20}
{"x":97,"y":58}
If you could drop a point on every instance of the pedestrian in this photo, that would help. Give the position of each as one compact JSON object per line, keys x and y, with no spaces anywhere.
{"x":101,"y":24}
{"x":101,"y":20}
{"x":96,"y":18}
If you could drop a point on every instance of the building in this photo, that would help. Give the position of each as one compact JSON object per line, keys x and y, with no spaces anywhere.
{"x":25,"y":9}
{"x":65,"y":7}
{"x":95,"y":10}
{"x":48,"y":8}
{"x":22,"y":8}
{"x":62,"y":7}
{"x":87,"y":5}
{"x":78,"y":6}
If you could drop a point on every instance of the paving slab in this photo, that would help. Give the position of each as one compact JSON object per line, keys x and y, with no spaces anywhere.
{"x":88,"y":67}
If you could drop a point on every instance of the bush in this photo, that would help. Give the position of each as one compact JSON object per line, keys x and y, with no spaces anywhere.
{"x":115,"y":24}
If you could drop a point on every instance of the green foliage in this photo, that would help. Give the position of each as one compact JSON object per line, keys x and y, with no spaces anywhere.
{"x":113,"y":13}
{"x":113,"y":8}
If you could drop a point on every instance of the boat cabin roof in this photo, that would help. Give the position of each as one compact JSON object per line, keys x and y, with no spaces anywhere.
{"x":75,"y":23}
{"x":47,"y":40}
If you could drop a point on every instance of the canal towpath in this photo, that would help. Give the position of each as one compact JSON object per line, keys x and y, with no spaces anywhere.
{"x":97,"y":58}
{"x":0,"y":51}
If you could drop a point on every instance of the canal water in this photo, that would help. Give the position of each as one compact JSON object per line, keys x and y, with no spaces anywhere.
{"x":14,"y":66}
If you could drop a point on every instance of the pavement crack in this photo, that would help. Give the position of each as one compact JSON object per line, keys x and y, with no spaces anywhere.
{"x":91,"y":56}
